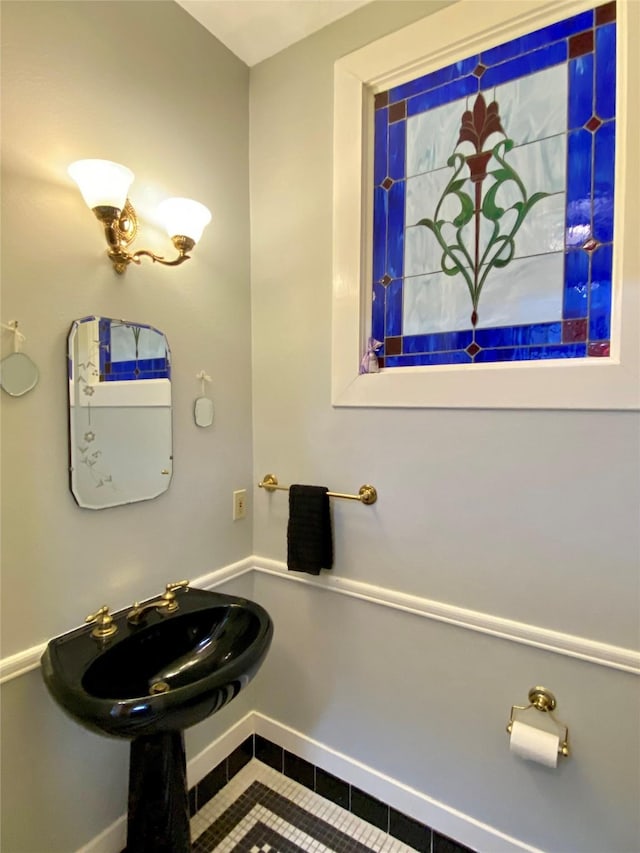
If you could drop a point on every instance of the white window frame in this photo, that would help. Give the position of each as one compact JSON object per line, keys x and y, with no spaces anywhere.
{"x":433,"y":42}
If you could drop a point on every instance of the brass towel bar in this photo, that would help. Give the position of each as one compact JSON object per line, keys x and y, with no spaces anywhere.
{"x":367,"y":494}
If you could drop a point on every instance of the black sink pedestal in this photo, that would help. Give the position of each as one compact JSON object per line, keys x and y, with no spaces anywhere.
{"x":158,"y":819}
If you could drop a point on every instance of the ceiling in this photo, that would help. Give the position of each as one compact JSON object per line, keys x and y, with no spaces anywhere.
{"x":257,"y":29}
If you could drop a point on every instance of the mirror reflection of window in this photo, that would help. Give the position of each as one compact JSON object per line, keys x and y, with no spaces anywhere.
{"x":130,"y":351}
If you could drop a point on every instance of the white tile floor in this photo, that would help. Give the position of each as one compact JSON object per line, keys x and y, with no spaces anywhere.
{"x":275,"y":826}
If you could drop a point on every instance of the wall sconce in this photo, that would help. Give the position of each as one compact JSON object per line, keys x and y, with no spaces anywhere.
{"x":104,"y":186}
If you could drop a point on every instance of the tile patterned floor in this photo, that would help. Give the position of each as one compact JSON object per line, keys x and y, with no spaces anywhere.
{"x":262,"y":811}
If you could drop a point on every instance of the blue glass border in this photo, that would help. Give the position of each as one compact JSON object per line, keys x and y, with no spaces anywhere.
{"x":539,"y":38}
{"x":528,"y":63}
{"x":605,"y":69}
{"x":442,"y":95}
{"x":527,"y":335}
{"x":581,"y":71}
{"x":393,"y":309}
{"x":576,"y":285}
{"x":437,"y":342}
{"x":600,"y":294}
{"x":427,"y":359}
{"x":378,"y":311}
{"x":532,"y":353}
{"x":397,"y":150}
{"x":579,"y":187}
{"x":395,"y":234}
{"x":380,"y":159}
{"x":380,"y":216}
{"x":604,"y":145}
{"x":433,"y":80}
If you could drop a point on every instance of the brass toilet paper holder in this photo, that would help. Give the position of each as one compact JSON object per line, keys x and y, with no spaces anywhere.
{"x":541,"y":699}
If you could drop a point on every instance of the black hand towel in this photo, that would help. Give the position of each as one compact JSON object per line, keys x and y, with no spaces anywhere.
{"x":309,"y":539}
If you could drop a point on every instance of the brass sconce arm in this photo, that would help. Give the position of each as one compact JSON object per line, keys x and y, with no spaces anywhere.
{"x":182,"y":244}
{"x":120,"y":229}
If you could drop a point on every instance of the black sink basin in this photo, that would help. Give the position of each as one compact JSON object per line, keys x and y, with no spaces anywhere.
{"x":164,"y":675}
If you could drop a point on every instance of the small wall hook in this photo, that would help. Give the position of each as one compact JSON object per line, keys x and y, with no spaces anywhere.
{"x":18,"y":373}
{"x":203,"y":407}
{"x":18,"y":337}
{"x":203,"y":377}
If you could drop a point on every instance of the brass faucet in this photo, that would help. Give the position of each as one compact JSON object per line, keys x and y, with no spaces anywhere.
{"x":166,"y":603}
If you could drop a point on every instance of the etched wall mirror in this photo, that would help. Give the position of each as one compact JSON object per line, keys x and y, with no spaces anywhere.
{"x":119,"y":377}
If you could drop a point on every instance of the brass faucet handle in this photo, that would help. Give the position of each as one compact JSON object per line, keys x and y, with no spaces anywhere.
{"x":99,"y":615}
{"x":177,"y":585}
{"x":105,"y":626}
{"x":170,"y":594}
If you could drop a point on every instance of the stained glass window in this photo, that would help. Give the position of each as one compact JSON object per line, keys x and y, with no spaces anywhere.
{"x":493,"y":202}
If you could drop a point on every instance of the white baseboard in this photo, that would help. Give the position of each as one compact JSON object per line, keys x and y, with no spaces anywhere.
{"x":444,"y":819}
{"x":111,"y":840}
{"x":212,"y":755}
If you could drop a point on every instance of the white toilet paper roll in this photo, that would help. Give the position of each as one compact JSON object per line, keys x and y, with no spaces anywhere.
{"x":534,"y":744}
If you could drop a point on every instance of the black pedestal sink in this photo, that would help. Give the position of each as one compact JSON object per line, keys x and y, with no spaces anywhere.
{"x":150,"y":681}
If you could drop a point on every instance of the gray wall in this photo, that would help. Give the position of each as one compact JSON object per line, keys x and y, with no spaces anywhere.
{"x":527,"y":515}
{"x":531,"y":516}
{"x":143,"y":84}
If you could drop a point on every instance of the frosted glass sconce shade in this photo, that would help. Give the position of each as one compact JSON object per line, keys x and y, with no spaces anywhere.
{"x":102,"y":183}
{"x":184,"y":217}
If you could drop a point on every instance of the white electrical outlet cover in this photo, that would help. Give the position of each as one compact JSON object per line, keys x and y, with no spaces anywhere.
{"x":203,"y":412}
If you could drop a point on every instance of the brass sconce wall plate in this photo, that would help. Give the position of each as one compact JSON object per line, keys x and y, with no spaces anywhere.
{"x":128,"y":224}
